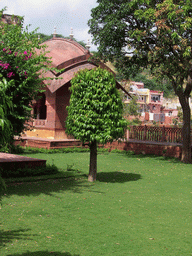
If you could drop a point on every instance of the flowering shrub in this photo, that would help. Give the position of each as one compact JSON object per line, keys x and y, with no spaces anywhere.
{"x":21,"y":66}
{"x":11,"y":70}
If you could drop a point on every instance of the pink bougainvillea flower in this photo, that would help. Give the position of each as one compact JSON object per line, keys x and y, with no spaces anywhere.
{"x":6,"y":65}
{"x":4,"y":50}
{"x":25,"y":52}
{"x":30,"y":55}
{"x":10,"y":74}
{"x":16,"y":53}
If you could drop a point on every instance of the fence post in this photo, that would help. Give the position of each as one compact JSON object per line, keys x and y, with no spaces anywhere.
{"x":127,"y":133}
{"x":163,"y":133}
{"x":145,"y":131}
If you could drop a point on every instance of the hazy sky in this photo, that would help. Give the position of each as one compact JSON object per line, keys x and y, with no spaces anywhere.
{"x":47,"y":14}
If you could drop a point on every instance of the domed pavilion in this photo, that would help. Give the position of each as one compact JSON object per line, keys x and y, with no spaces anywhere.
{"x":48,"y":127}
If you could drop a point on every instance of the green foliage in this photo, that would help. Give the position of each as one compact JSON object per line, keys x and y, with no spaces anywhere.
{"x":153,"y":34}
{"x":95,"y":110}
{"x":30,"y":150}
{"x":132,"y":109}
{"x":6,"y":108}
{"x":22,"y":70}
{"x":2,"y":187}
{"x":149,"y":34}
{"x":180,"y":114}
{"x":135,"y":121}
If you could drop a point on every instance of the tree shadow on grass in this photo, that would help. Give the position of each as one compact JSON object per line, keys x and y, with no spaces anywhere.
{"x":117,"y":177}
{"x":49,"y":187}
{"x":9,"y":235}
{"x":22,"y":234}
{"x":44,"y":253}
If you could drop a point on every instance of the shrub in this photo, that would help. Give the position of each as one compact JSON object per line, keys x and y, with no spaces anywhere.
{"x":2,"y":187}
{"x":29,"y":172}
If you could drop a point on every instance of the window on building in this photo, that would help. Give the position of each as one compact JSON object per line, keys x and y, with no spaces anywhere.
{"x":155,"y":98}
{"x":39,"y":108}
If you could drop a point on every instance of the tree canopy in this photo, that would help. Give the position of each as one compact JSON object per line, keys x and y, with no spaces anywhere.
{"x":149,"y":34}
{"x":21,"y":70}
{"x":95,"y":110}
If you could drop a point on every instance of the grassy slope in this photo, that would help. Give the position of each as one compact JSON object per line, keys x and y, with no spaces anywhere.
{"x":138,"y":206}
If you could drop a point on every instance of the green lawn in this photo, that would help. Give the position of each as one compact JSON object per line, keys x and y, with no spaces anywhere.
{"x":140,"y":205}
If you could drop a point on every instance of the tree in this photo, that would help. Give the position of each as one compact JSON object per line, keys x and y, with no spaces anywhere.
{"x":95,"y":111}
{"x":131,"y":109}
{"x":149,"y":34}
{"x":23,"y":69}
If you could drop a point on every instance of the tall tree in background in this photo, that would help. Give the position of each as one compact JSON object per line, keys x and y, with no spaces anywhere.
{"x":22,"y":68}
{"x":149,"y":34}
{"x":95,"y":111}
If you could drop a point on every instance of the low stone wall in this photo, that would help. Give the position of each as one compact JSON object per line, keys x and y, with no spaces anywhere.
{"x":47,"y":143}
{"x":138,"y":147}
{"x":147,"y":148}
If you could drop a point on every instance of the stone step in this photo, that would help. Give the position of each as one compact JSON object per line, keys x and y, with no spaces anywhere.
{"x":12,"y":161}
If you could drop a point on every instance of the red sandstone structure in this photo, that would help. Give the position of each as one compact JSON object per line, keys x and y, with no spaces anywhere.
{"x":50,"y":110}
{"x":11,"y":19}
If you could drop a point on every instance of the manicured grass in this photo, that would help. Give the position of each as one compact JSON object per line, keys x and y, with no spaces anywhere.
{"x":139,"y":205}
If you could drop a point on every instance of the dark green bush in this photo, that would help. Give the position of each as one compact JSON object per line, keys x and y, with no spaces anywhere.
{"x":2,"y":187}
{"x":30,"y":150}
{"x":29,"y":172}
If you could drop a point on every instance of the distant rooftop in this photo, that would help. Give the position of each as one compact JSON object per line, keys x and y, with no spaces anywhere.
{"x":11,"y":19}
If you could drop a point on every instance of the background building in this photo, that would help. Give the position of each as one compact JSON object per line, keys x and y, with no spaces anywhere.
{"x":153,"y":106}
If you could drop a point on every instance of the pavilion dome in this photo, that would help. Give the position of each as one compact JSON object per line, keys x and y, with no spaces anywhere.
{"x":69,"y":55}
{"x":65,"y":54}
{"x":63,"y":50}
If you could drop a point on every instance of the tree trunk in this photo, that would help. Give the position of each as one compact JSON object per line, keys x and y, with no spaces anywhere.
{"x":186,"y":130}
{"x":93,"y":162}
{"x":186,"y":150}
